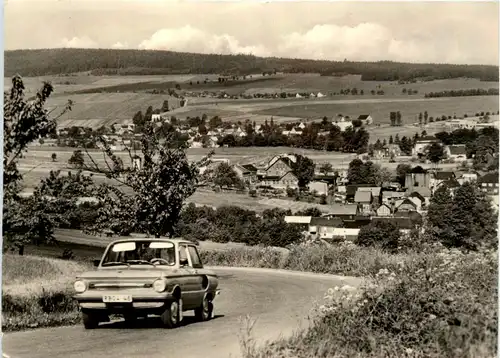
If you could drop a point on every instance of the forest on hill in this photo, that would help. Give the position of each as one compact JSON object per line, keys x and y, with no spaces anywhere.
{"x":46,"y":62}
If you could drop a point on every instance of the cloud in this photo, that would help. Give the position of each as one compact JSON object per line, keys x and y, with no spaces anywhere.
{"x":190,"y":39}
{"x":78,"y":42}
{"x":120,"y":45}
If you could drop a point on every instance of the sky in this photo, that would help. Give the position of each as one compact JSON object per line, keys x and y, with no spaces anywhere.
{"x":410,"y":31}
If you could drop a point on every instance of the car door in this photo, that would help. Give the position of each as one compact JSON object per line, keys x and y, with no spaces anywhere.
{"x":191,"y":281}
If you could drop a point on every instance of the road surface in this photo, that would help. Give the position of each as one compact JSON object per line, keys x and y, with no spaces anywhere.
{"x":280,"y":301}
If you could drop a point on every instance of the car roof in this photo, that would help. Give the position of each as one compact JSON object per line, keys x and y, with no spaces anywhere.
{"x":173,"y":240}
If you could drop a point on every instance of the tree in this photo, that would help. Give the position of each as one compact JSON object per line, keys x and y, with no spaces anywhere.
{"x":356,"y":173}
{"x":25,"y":220}
{"x":465,"y":219}
{"x":398,"y":118}
{"x":420,"y":118}
{"x":401,"y":171}
{"x":303,"y":168}
{"x":165,"y":107}
{"x":391,"y":140}
{"x":426,"y":117}
{"x":435,"y":153}
{"x":76,"y":159}
{"x":326,"y":168}
{"x":225,"y":176}
{"x":148,"y":198}
{"x":54,"y":157}
{"x":381,"y":234}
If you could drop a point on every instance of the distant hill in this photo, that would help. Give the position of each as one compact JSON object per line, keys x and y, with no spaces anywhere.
{"x":46,"y":62}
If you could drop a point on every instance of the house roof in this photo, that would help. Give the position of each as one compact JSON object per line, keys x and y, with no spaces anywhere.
{"x":444,"y":175}
{"x":401,"y":222}
{"x":384,"y":205}
{"x":363,"y":196}
{"x":249,"y":167}
{"x":405,"y":201}
{"x":417,"y":195}
{"x":342,"y":209}
{"x":489,"y":178}
{"x":364,"y":116}
{"x":334,"y":222}
{"x":375,"y":190}
{"x":457,"y":149}
{"x":392,"y":194}
{"x":425,"y":192}
{"x":353,"y":188}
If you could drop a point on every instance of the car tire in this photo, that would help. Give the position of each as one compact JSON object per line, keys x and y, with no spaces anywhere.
{"x":171,"y":315}
{"x":90,"y":320}
{"x":205,"y":311}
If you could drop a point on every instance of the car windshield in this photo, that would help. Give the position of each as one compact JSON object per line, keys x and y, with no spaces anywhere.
{"x":140,"y":253}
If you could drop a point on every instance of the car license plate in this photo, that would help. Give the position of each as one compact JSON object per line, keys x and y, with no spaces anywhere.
{"x":117,"y":298}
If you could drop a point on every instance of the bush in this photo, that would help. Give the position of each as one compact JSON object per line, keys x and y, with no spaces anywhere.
{"x":381,"y":234}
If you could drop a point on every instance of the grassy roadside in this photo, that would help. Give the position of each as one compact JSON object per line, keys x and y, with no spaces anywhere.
{"x":438,"y":303}
{"x":36,"y":292}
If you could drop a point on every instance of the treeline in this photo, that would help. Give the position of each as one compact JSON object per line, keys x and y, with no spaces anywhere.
{"x":44,"y":62}
{"x":224,"y":224}
{"x":464,"y":93}
{"x":320,"y":136}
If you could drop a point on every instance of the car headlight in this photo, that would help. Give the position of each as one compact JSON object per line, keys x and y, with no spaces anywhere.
{"x":80,"y":286}
{"x":160,"y":285}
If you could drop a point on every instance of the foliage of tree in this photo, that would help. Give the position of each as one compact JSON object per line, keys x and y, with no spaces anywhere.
{"x":25,"y":220}
{"x":465,"y":219}
{"x":401,"y":171}
{"x":135,"y":62}
{"x":148,"y":199}
{"x":77,"y":159}
{"x":435,"y":153}
{"x":360,"y":172}
{"x":463,"y":93}
{"x":326,"y":168}
{"x":224,"y":175}
{"x":54,"y":157}
{"x":303,"y":168}
{"x":385,"y":235}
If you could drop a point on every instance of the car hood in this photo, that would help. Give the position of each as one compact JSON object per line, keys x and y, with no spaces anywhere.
{"x":130,"y":272}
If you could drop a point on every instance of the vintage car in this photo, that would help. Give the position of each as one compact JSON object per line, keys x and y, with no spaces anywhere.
{"x":137,"y":277}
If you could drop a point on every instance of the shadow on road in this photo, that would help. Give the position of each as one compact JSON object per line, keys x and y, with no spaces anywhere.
{"x":150,"y":323}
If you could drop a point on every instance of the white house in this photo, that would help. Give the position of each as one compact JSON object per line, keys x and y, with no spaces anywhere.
{"x":423,"y":143}
{"x":456,"y":152}
{"x":320,"y":95}
{"x":302,"y":125}
{"x":156,"y":118}
{"x":366,"y":119}
{"x":298,"y":96}
{"x":320,"y":187}
{"x":343,"y":124}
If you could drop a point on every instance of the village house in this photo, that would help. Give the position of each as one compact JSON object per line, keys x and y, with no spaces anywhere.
{"x":422,"y":192}
{"x":321,"y":188}
{"x":452,"y":184}
{"x":247,"y":172}
{"x":440,"y":176}
{"x":391,"y":196}
{"x":364,"y":200}
{"x":489,"y":183}
{"x":323,"y":227}
{"x":298,"y":219}
{"x":342,"y":122}
{"x":422,"y":143}
{"x":467,"y":177}
{"x":384,"y":210}
{"x":418,"y":199}
{"x":405,"y":205}
{"x":375,"y":190}
{"x":365,"y":119}
{"x":417,"y":178}
{"x":342,"y":211}
{"x":456,"y":152}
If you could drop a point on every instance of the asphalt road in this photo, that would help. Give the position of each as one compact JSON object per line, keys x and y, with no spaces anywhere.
{"x":280,"y":301}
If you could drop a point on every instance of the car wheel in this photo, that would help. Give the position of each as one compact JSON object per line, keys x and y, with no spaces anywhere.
{"x":90,"y":320}
{"x":205,"y":311}
{"x":130,"y":319}
{"x":170,"y":317}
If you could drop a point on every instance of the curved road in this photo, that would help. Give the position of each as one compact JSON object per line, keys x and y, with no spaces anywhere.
{"x":279,"y":300}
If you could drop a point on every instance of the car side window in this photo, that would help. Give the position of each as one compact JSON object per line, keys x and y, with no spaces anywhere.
{"x":195,"y":258}
{"x":183,"y":256}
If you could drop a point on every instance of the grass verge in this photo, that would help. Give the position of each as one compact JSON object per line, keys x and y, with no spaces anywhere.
{"x":441,"y":304}
{"x":37,"y":292}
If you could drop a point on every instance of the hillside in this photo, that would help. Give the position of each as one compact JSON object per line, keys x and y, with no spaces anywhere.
{"x":141,"y":62}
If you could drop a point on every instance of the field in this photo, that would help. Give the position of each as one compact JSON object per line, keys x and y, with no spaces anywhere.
{"x":123,"y":96}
